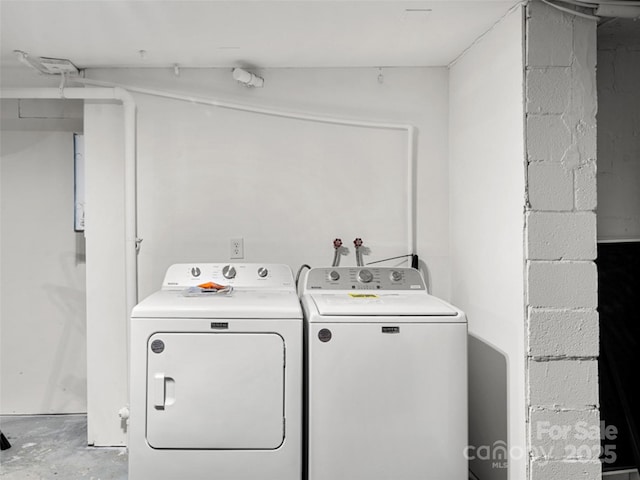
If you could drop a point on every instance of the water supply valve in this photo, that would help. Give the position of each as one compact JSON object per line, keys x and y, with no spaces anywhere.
{"x":358,"y":244}
{"x":337,"y":245}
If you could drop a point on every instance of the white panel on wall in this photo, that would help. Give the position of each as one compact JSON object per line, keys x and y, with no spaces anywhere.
{"x":107,"y":325}
{"x":43,"y":352}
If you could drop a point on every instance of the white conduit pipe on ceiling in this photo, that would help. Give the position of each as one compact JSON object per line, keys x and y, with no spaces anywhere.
{"x":410,"y":129}
{"x":129,"y":106}
{"x":110,"y":91}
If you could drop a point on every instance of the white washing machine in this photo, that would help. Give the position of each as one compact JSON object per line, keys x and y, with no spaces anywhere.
{"x":386,"y":367}
{"x":216,"y":378}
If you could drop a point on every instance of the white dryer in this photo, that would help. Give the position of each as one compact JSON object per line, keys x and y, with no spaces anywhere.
{"x":216,"y":378}
{"x":386,"y":369}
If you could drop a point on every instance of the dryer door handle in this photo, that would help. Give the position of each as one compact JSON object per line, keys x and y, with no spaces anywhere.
{"x":159,"y":391}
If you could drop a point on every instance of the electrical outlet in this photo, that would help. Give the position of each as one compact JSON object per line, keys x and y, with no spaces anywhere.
{"x":237,"y":248}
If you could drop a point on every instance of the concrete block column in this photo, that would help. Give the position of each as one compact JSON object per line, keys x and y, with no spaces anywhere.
{"x":560,"y":246}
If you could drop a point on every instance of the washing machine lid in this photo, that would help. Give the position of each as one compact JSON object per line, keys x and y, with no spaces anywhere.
{"x":241,"y":303}
{"x":381,"y":304}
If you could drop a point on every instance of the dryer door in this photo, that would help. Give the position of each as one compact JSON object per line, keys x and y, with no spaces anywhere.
{"x":215,"y":390}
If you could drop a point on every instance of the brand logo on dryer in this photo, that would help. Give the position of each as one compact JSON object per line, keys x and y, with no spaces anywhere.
{"x":325,"y":335}
{"x":157,"y":346}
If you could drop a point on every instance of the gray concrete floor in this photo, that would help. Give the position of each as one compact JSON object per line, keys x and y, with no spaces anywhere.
{"x":48,"y":447}
{"x":55,"y":447}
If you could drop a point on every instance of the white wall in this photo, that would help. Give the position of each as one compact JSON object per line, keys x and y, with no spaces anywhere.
{"x":287,"y":187}
{"x":618,"y":126}
{"x":487,"y":188}
{"x":43,"y":350}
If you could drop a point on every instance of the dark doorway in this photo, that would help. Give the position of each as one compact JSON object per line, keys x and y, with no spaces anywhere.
{"x":619,"y":362}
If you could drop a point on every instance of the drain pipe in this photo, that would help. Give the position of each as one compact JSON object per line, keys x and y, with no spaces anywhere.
{"x":129,"y":106}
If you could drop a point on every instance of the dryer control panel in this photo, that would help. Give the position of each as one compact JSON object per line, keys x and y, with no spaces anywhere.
{"x":364,"y":278}
{"x":248,"y":275}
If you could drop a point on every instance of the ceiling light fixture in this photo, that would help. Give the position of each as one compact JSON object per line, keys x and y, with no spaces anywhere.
{"x":247,"y":78}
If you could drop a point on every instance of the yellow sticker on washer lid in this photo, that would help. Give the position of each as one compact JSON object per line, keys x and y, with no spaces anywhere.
{"x":363,"y":295}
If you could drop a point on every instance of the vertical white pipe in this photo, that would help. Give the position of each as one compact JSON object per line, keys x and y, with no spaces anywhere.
{"x":411,"y":189}
{"x":130,"y":199}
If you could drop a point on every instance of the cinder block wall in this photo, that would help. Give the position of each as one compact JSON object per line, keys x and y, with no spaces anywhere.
{"x":560,"y":236}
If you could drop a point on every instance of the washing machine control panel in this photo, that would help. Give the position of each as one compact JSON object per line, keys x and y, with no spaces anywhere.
{"x":364,"y":278}
{"x":249,"y":275}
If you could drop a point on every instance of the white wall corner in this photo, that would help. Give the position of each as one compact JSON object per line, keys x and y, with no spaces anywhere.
{"x":487,"y":198}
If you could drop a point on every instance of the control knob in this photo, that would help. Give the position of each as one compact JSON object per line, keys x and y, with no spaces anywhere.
{"x":262,"y":272}
{"x":229,"y":272}
{"x":365,"y":276}
{"x":396,"y":276}
{"x":334,"y":276}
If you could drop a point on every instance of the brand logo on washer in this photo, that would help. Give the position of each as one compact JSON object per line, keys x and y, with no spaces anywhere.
{"x":324,"y":335}
{"x":195,"y":271}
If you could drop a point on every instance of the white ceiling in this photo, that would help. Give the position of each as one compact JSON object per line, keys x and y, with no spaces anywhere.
{"x":263,"y":33}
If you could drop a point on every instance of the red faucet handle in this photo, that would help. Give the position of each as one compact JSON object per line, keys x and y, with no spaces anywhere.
{"x":337,"y":243}
{"x":357,"y":242}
